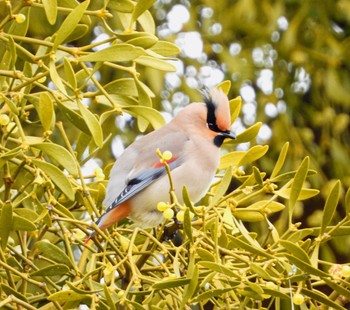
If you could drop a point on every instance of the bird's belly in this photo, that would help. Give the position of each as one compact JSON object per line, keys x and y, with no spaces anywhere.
{"x":144,"y":211}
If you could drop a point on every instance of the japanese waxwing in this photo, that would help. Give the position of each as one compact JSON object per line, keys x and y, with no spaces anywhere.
{"x":138,"y":180}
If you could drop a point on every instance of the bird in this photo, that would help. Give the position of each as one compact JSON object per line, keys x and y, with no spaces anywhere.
{"x":138,"y":179}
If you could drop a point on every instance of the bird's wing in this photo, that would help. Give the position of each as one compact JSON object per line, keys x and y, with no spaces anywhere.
{"x":146,"y":167}
{"x":141,"y":181}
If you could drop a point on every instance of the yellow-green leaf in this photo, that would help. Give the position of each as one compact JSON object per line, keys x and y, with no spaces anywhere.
{"x":50,"y":7}
{"x":295,"y":250}
{"x":165,"y":48}
{"x":297,"y":184}
{"x":139,"y":9}
{"x":22,"y":224}
{"x":321,"y":298}
{"x":55,"y":77}
{"x":145,"y":42}
{"x":205,"y":255}
{"x":75,"y":118}
{"x":280,"y":160}
{"x":306,"y":267}
{"x":223,"y":186}
{"x":191,"y":287}
{"x":347,"y":202}
{"x":330,"y":206}
{"x":92,"y":123}
{"x":170,"y":283}
{"x":249,"y":134}
{"x":248,"y":214}
{"x":124,"y":6}
{"x":187,"y":225}
{"x":253,"y":154}
{"x":219,"y":268}
{"x":144,"y":100}
{"x":153,"y":116}
{"x":115,"y":53}
{"x":235,"y":107}
{"x":53,"y":252}
{"x":231,"y":159}
{"x":67,"y":295}
{"x":305,"y":193}
{"x":224,"y":86}
{"x":70,"y":74}
{"x":45,"y":108}
{"x":155,"y":63}
{"x":5,"y":223}
{"x":57,"y":177}
{"x":52,"y":270}
{"x":70,"y":23}
{"x":147,"y":23}
{"x":59,"y":154}
{"x":212,"y":293}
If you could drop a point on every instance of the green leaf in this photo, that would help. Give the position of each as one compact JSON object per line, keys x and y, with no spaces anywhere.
{"x":50,"y":7}
{"x":249,"y":134}
{"x":170,"y":283}
{"x":297,"y":185}
{"x":5,"y":223}
{"x":330,"y":206}
{"x":219,"y":268}
{"x":53,"y":252}
{"x":223,"y":186}
{"x":344,"y":291}
{"x":224,"y":86}
{"x":155,"y":63}
{"x":153,"y":116}
{"x":92,"y":123}
{"x":139,"y":9}
{"x":295,"y":250}
{"x":22,"y":224}
{"x":70,"y":23}
{"x":67,"y":295}
{"x":57,"y":176}
{"x":52,"y":270}
{"x":165,"y":48}
{"x":280,"y":160}
{"x":305,"y":193}
{"x":116,"y":53}
{"x":59,"y":154}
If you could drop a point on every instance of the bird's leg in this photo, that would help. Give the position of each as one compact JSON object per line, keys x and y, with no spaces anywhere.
{"x":170,"y":231}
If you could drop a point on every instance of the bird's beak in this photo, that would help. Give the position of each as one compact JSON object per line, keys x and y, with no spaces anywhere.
{"x":227,"y":134}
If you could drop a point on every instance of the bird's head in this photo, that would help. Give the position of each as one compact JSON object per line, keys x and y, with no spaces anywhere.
{"x":218,"y":115}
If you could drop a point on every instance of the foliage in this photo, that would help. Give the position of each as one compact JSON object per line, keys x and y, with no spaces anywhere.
{"x":59,"y":92}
